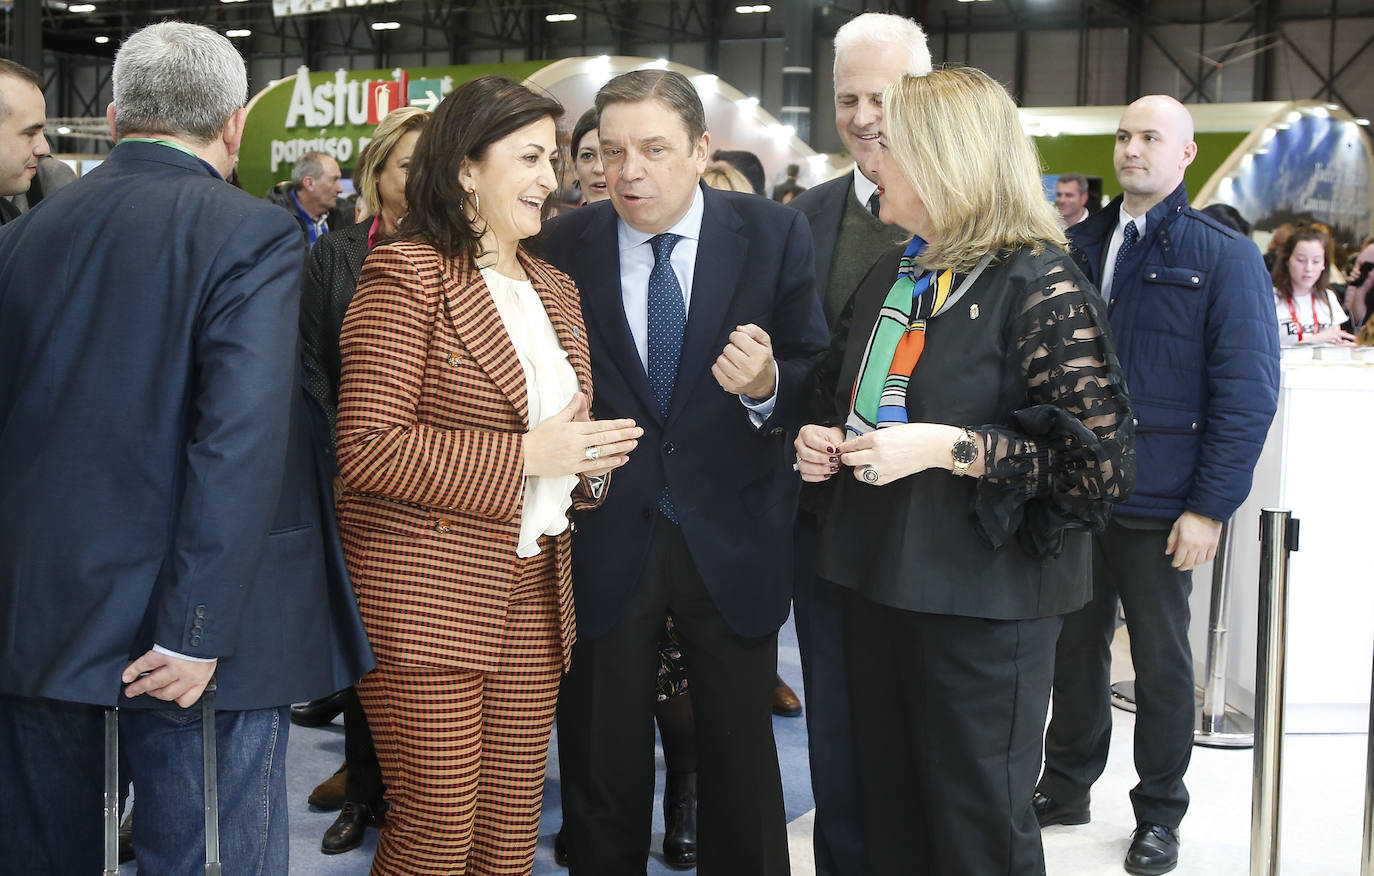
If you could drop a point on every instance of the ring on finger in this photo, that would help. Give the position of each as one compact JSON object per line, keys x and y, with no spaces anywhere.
{"x":796,"y":466}
{"x":870,"y":474}
{"x":592,"y":453}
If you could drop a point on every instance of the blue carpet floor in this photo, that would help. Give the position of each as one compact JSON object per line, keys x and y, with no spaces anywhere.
{"x":314,"y":754}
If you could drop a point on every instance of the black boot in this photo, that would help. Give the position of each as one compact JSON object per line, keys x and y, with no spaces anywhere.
{"x":680,"y":821}
{"x":318,"y":713}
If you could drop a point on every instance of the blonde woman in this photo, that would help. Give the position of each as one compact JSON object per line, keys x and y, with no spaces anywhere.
{"x":980,"y":431}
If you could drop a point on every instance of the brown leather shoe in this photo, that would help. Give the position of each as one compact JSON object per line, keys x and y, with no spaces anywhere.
{"x":785,"y":701}
{"x":329,"y":794}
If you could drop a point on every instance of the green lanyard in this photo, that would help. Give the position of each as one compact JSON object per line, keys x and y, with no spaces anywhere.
{"x":160,"y":143}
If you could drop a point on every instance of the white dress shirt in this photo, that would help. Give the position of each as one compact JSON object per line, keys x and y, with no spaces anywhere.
{"x":1118,"y":235}
{"x":637,"y":262}
{"x":863,"y":187}
{"x":549,"y":385}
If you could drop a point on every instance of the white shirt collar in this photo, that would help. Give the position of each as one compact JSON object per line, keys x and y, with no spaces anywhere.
{"x":688,"y":226}
{"x":863,"y":186}
{"x":1127,"y":217}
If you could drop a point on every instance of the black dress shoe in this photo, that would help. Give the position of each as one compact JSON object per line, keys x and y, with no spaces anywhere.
{"x":560,"y":849}
{"x":1154,"y":850}
{"x":680,"y":821}
{"x":1051,"y":810}
{"x":318,"y":713}
{"x":348,"y":830}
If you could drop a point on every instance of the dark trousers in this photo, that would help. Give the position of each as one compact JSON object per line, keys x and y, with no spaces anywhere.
{"x":364,"y":783}
{"x":837,"y":838}
{"x":606,"y":731}
{"x":1130,"y":564}
{"x":948,"y":713}
{"x":52,"y":760}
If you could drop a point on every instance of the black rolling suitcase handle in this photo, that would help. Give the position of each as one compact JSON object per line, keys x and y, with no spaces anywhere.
{"x":211,"y":780}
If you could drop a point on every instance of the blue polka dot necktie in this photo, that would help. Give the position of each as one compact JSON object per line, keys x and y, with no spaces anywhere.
{"x":667,"y":321}
{"x":1129,"y":235}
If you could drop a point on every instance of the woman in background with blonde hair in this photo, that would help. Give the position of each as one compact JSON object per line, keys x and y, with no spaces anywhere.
{"x":981,"y":430}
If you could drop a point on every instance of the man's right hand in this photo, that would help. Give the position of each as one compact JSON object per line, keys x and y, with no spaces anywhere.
{"x":168,"y":678}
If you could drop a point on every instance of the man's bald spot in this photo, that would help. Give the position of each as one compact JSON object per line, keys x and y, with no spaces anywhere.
{"x":1162,"y":113}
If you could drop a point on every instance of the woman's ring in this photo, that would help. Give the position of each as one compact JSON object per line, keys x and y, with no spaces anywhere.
{"x":796,"y":466}
{"x":870,"y":474}
{"x":593,"y":452}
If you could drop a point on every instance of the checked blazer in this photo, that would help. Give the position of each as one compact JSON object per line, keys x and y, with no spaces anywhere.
{"x":432,"y":413}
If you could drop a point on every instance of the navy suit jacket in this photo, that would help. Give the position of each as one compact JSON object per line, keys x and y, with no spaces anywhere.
{"x":161,"y":473}
{"x":732,"y":484}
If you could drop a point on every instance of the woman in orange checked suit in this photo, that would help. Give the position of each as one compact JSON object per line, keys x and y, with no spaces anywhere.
{"x":463,"y":440}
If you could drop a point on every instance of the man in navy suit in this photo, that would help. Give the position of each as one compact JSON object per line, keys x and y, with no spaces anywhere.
{"x":703,"y":327}
{"x":164,"y":514}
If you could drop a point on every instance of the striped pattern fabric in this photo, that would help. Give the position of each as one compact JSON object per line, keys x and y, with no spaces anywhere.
{"x":463,"y":752}
{"x":432,"y":411}
{"x":896,"y":343}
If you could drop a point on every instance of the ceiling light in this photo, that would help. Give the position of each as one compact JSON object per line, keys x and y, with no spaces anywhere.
{"x":64,"y":130}
{"x":236,"y":34}
{"x":386,"y":25}
{"x":102,"y":40}
{"x":561,"y":16}
{"x":746,"y":10}
{"x":1362,"y":122}
{"x":81,"y":7}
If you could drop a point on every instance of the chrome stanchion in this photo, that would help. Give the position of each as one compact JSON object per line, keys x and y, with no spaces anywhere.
{"x":1367,"y":847}
{"x":1218,"y":727}
{"x":1278,"y":536}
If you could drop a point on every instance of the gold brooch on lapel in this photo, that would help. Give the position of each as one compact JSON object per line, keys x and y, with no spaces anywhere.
{"x":973,"y":311}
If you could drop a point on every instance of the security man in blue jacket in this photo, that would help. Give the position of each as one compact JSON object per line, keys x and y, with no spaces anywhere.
{"x":1192,"y":312}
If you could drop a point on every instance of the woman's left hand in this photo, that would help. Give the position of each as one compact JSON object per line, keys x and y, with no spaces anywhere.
{"x":885,"y":455}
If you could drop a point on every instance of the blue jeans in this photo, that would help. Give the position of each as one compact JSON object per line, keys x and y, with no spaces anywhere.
{"x":51,"y":755}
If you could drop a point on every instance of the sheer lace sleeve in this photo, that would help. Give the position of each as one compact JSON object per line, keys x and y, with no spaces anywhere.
{"x":1062,"y":461}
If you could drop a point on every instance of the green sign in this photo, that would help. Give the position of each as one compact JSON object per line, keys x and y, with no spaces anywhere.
{"x":336,"y":112}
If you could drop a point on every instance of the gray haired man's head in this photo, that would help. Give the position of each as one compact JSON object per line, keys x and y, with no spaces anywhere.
{"x":177,"y":79}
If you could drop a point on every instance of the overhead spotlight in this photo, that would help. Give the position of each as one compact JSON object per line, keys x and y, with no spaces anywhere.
{"x":233,"y":1}
{"x":81,"y":7}
{"x":102,"y":40}
{"x":386,"y":25}
{"x":1362,"y":122}
{"x":239,"y":33}
{"x":706,"y":82}
{"x":560,"y":16}
{"x":1333,"y":106}
{"x":64,"y":130}
{"x":747,"y":103}
{"x":746,"y":10}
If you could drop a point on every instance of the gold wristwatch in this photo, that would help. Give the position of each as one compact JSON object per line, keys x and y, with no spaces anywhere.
{"x":965,"y":452}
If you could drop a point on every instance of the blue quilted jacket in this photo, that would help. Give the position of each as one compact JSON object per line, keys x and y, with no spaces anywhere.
{"x":1192,"y":312}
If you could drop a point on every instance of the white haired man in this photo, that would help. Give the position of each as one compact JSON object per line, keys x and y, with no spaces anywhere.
{"x":872,"y":51}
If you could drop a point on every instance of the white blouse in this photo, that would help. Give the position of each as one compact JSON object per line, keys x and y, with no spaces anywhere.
{"x":549,"y":385}
{"x":1311,"y":318}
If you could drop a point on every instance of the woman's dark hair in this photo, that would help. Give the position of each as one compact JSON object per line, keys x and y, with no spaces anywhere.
{"x":1283,"y":283}
{"x":585,"y":124}
{"x":746,"y":163}
{"x":472,"y":117}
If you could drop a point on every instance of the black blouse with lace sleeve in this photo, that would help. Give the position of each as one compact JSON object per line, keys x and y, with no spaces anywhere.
{"x":1062,"y":461}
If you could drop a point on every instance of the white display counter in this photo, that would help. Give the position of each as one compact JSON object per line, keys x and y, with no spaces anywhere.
{"x":1320,"y":443}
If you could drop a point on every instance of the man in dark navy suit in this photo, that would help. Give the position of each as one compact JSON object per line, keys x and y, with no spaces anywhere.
{"x":165,"y":518}
{"x":703,"y":327}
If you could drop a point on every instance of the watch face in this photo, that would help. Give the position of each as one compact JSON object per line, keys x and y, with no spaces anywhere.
{"x":965,"y":452}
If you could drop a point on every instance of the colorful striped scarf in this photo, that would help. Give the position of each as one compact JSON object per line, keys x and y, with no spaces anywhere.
{"x":895,"y":346}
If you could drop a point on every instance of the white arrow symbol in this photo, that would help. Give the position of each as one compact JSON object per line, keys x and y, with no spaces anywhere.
{"x":428,"y":102}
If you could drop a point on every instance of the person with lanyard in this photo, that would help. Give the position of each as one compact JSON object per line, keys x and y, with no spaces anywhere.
{"x":1192,"y":315}
{"x":979,"y":430}
{"x":153,"y":403}
{"x":1301,"y":291}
